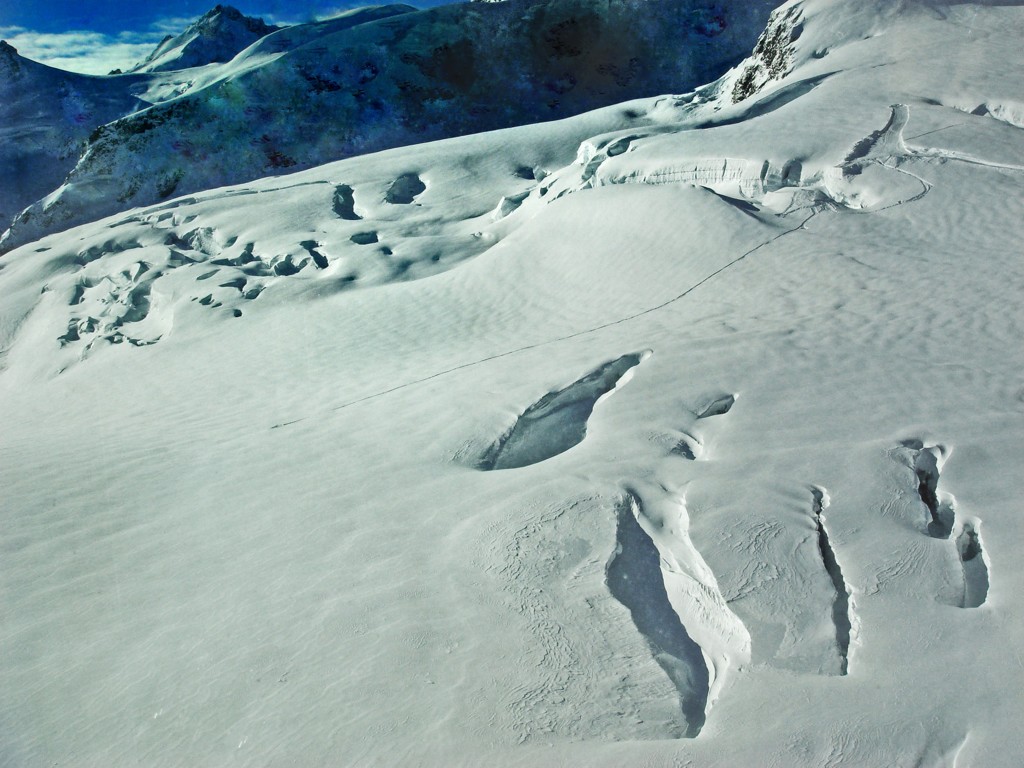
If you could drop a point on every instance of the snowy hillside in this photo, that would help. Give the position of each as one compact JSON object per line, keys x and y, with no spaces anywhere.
{"x":382,"y":77}
{"x":680,"y":432}
{"x":46,"y":116}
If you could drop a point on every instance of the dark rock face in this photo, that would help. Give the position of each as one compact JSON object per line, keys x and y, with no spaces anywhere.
{"x":773,"y":54}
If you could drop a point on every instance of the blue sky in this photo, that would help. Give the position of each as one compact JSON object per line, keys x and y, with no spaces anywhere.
{"x":95,"y":36}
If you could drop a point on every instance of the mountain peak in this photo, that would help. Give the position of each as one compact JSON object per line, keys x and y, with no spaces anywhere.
{"x":216,"y":36}
{"x":221,"y":16}
{"x":10,"y":60}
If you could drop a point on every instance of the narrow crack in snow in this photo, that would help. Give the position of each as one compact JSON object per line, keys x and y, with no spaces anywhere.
{"x":842,"y":607}
{"x":801,"y":226}
{"x":635,"y":579}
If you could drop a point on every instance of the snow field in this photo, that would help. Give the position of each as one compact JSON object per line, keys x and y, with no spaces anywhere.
{"x":270,"y":539}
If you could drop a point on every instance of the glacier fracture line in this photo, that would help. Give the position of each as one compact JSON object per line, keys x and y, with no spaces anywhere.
{"x":594,"y":329}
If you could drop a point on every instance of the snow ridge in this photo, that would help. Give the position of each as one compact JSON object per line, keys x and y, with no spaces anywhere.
{"x":376,"y":78}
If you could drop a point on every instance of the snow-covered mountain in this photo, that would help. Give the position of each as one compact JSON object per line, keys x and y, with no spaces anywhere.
{"x":217,"y":36}
{"x":49,"y":117}
{"x":383,"y":77}
{"x":46,"y":116}
{"x":681,"y":431}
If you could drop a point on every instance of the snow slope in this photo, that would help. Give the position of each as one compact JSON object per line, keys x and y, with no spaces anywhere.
{"x":46,"y":116}
{"x":681,"y":432}
{"x":387,"y":76}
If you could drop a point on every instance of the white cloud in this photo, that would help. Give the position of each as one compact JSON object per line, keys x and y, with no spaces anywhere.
{"x":92,"y":53}
{"x":169,"y":26}
{"x":319,"y":14}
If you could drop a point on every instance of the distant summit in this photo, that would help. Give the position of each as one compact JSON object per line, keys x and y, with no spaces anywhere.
{"x":215,"y":37}
{"x":9,"y":58}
